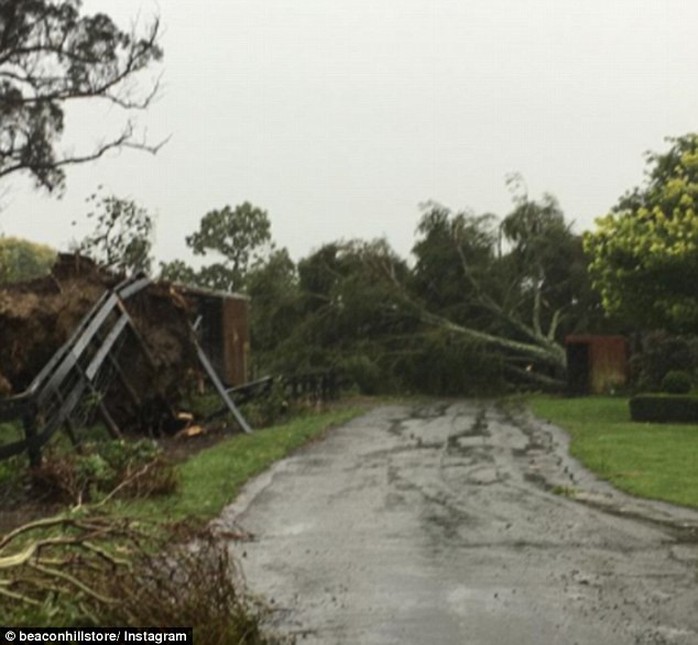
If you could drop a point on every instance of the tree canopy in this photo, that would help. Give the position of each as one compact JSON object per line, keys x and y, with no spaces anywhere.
{"x":239,"y":239}
{"x":486,"y":301}
{"x":644,"y":253}
{"x":52,"y":55}
{"x":23,"y":260}
{"x":122,"y":237}
{"x":514,"y":285}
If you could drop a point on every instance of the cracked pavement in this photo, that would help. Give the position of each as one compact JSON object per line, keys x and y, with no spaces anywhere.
{"x":461,"y":522}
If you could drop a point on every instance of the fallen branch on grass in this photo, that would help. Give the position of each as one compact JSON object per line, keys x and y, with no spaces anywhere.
{"x":96,"y":569}
{"x":67,"y":556}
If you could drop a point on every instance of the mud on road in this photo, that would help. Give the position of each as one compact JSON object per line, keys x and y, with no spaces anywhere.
{"x":462,"y":523}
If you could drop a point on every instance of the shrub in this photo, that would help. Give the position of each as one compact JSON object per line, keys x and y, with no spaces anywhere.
{"x":676,"y":382}
{"x":364,"y":373}
{"x":660,"y":354}
{"x":188,"y":584}
{"x":137,"y":468}
{"x":268,"y":409}
{"x":664,"y":408}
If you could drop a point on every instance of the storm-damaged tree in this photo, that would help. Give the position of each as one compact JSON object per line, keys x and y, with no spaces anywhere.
{"x":515,"y":287}
{"x":51,"y":55}
{"x":486,"y":303}
{"x":356,"y":310}
{"x":344,"y":313}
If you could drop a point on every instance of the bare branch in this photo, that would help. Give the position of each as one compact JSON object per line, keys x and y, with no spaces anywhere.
{"x":554,"y":323}
{"x":62,"y":575}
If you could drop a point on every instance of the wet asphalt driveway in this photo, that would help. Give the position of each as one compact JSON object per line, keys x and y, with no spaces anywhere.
{"x":462,"y":522}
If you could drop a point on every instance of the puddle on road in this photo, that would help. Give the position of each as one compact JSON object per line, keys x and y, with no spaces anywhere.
{"x":431,"y":411}
{"x":465,"y":447}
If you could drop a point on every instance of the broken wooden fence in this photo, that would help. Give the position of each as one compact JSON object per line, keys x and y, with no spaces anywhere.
{"x":74,"y":381}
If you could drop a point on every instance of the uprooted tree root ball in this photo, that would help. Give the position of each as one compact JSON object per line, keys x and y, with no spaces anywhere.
{"x":39,"y":316}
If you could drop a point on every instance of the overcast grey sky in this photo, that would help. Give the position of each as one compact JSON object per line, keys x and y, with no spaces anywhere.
{"x":340,"y":116}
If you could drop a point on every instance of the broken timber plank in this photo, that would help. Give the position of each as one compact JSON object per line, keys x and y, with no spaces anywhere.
{"x":220,"y":388}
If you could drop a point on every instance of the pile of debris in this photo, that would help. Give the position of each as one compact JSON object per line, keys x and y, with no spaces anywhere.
{"x":155,"y":367}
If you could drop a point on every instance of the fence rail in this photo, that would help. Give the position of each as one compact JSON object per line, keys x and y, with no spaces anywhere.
{"x":318,"y":386}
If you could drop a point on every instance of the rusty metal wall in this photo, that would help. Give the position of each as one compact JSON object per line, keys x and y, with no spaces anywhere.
{"x":236,"y":340}
{"x":224,"y":333}
{"x":211,"y":333}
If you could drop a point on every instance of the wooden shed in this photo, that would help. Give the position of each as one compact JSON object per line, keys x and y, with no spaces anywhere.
{"x":224,"y":331}
{"x":596,"y":364}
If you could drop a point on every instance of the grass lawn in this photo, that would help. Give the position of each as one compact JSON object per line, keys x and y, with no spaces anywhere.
{"x":654,"y":460}
{"x":212,"y":478}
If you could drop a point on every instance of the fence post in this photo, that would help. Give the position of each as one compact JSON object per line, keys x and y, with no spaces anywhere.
{"x":33,"y":448}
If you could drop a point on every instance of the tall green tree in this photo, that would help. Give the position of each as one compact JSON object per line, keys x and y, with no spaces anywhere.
{"x":645,"y":251}
{"x":273,"y":289}
{"x":52,"y":55}
{"x":178,"y":271}
{"x":238,"y":238}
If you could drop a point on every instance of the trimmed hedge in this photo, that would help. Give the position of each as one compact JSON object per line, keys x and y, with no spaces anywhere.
{"x":664,"y":408}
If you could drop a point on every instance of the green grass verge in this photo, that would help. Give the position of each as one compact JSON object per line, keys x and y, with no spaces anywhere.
{"x":658,"y":461}
{"x":212,"y":478}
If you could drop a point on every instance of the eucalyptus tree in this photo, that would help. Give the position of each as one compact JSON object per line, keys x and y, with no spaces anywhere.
{"x":53,"y":55}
